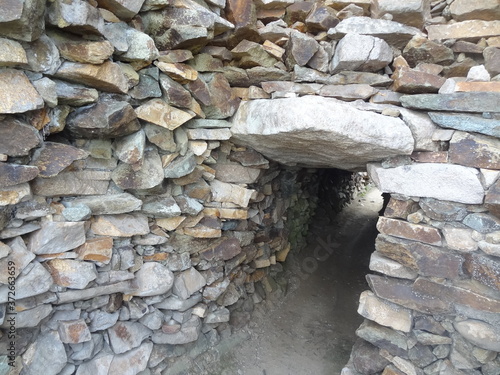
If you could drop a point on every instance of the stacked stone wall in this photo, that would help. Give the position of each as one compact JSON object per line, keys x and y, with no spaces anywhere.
{"x":138,"y":224}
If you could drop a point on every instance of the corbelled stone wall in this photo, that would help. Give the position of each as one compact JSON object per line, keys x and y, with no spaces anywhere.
{"x":138,"y":224}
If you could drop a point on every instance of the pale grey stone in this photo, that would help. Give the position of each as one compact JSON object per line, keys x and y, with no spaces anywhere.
{"x":361,"y":52}
{"x":80,"y":212}
{"x":455,"y":183}
{"x":101,"y":320}
{"x":188,"y":282}
{"x":188,"y":205}
{"x":189,"y":332}
{"x":130,"y":149}
{"x":181,"y":166}
{"x":125,"y":336}
{"x":31,"y":317}
{"x":323,"y":128}
{"x":153,"y":320}
{"x":385,"y":313}
{"x":35,"y":280}
{"x":218,"y":316}
{"x":45,"y":356}
{"x":161,"y":206}
{"x":57,"y":237}
{"x":422,"y":129}
{"x":107,"y":204}
{"x":389,"y":267}
{"x":176,"y":303}
{"x":100,"y":364}
{"x":141,"y":47}
{"x":152,"y":279}
{"x":131,"y":362}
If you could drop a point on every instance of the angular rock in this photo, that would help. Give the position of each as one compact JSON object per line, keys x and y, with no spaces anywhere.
{"x":14,"y":194}
{"x":300,"y":49}
{"x":413,"y":81}
{"x":149,"y":176}
{"x":491,"y":55}
{"x":17,"y":93}
{"x":236,"y":173}
{"x":14,"y":174}
{"x":72,"y":183}
{"x":283,"y":133}
{"x":467,"y":122}
{"x":130,"y":149}
{"x":75,"y":16}
{"x":17,"y":253}
{"x":384,"y":313}
{"x":456,"y":183}
{"x":366,"y":358}
{"x":413,"y":13}
{"x":224,"y":192}
{"x":394,"y":33}
{"x":459,"y":239}
{"x":106,"y":119}
{"x":252,"y":54}
{"x":74,"y":331}
{"x":52,"y":158}
{"x":34,"y":281}
{"x":422,"y":50}
{"x":153,"y":279}
{"x":161,"y":137}
{"x":360,"y":52}
{"x":108,"y":204}
{"x":158,"y":112}
{"x":389,"y":267}
{"x":189,"y":332}
{"x":480,"y":334}
{"x":209,"y":134}
{"x":12,"y":53}
{"x":409,"y":231}
{"x":244,"y":17}
{"x":422,"y":129}
{"x":46,"y":355}
{"x":148,"y":86}
{"x":188,"y":282}
{"x":383,"y":337}
{"x":70,"y":273}
{"x":321,"y":18}
{"x":174,"y":93}
{"x":487,"y":10}
{"x":477,"y":151}
{"x":188,"y":205}
{"x":106,"y":77}
{"x":98,"y":249}
{"x":57,"y":237}
{"x":483,"y":269}
{"x":81,"y":50}
{"x":123,"y":225}
{"x":75,"y":95}
{"x":466,"y":30}
{"x":161,"y":206}
{"x":43,"y":55}
{"x":101,"y":363}
{"x":17,"y":138}
{"x":124,"y":336}
{"x":348,"y":92}
{"x":132,"y":362}
{"x":23,"y":21}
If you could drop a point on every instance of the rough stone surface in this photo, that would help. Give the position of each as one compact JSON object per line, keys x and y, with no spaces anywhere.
{"x":456,"y":183}
{"x":278,"y":138}
{"x":18,"y":94}
{"x":152,"y":279}
{"x":384,"y":313}
{"x":46,"y":355}
{"x":123,"y":225}
{"x":18,"y":138}
{"x":57,"y":237}
{"x":71,"y":273}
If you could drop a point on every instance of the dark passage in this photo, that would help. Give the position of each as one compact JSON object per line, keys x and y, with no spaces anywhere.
{"x":311,"y":330}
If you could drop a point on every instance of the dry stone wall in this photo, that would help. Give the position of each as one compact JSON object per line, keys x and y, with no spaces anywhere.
{"x":134,"y":230}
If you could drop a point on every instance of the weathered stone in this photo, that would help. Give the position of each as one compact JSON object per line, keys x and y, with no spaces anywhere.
{"x":300,"y":49}
{"x":481,"y":222}
{"x":409,"y":231}
{"x":106,"y":119}
{"x":427,"y":260}
{"x":130,"y":149}
{"x":72,"y":183}
{"x":383,"y":337}
{"x":413,"y":81}
{"x":153,"y":279}
{"x":189,"y":332}
{"x":107,"y":204}
{"x":12,"y":53}
{"x":33,"y":281}
{"x":161,"y":137}
{"x":74,"y":331}
{"x":187,"y":283}
{"x":57,"y":237}
{"x":141,"y":47}
{"x":444,"y":211}
{"x":75,"y":16}
{"x":236,"y":173}
{"x":160,"y":113}
{"x":253,"y":117}
{"x":181,"y":166}
{"x":456,"y":183}
{"x":47,"y":90}
{"x":101,"y":363}
{"x":483,"y":269}
{"x":217,"y":99}
{"x":360,"y":52}
{"x":132,"y":362}
{"x":75,"y":95}
{"x":384,"y":313}
{"x":474,"y":150}
{"x":148,"y":86}
{"x":98,"y":249}
{"x":148,"y":176}
{"x":487,"y":10}
{"x":224,"y":192}
{"x":52,"y":158}
{"x":161,"y":206}
{"x":23,"y":21}
{"x":321,"y":18}
{"x":125,"y":336}
{"x":70,"y":273}
{"x":471,"y":30}
{"x":81,"y":50}
{"x":17,"y":93}
{"x":413,"y":13}
{"x":467,"y":122}
{"x":480,"y":334}
{"x":459,"y":239}
{"x":244,"y":17}
{"x":422,"y":50}
{"x":394,"y":33}
{"x":402,"y":293}
{"x":209,"y":134}
{"x":491,"y":63}
{"x":181,"y":73}
{"x":17,"y":253}
{"x":123,"y":225}
{"x":252,"y":54}
{"x":46,"y":355}
{"x":14,"y":174}
{"x":106,"y":77}
{"x":14,"y":194}
{"x":17,"y":138}
{"x":173,"y":92}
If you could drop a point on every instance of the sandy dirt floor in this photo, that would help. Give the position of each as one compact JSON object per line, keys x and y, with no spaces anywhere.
{"x":309,"y":331}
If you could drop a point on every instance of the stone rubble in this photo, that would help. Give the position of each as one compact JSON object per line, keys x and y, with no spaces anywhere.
{"x":141,"y":197}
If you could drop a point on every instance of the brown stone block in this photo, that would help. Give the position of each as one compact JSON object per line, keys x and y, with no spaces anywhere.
{"x":409,"y":231}
{"x":399,"y":208}
{"x":226,"y":250}
{"x":475,"y":150}
{"x":74,"y":331}
{"x":483,"y":269}
{"x":96,"y":249}
{"x":14,"y":174}
{"x":477,"y":86}
{"x":415,"y":82}
{"x":430,"y":157}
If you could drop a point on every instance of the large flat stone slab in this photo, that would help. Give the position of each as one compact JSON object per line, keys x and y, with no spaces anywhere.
{"x":319,"y":132}
{"x":457,"y":102}
{"x":447,"y":182}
